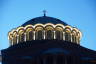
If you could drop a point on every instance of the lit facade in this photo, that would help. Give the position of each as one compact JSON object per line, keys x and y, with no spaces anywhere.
{"x":46,"y":31}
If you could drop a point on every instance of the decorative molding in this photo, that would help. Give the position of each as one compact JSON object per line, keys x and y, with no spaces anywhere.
{"x":54,"y":28}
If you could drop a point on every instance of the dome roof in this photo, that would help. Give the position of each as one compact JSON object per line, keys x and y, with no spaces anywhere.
{"x":44,"y":20}
{"x":44,"y":28}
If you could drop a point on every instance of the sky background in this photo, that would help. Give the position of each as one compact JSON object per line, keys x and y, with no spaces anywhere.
{"x":77,"y":13}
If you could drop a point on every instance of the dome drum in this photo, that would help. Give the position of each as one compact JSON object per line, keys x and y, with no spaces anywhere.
{"x":48,"y":31}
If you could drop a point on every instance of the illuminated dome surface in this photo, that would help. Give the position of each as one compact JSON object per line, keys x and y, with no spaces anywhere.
{"x":44,"y":28}
{"x":44,"y":20}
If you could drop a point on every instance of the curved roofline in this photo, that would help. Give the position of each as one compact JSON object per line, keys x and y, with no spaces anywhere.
{"x":44,"y":20}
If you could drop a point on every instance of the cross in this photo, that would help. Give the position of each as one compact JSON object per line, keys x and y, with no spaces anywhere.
{"x":44,"y":11}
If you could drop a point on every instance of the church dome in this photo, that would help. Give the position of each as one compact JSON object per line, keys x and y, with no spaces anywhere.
{"x":44,"y":20}
{"x":44,"y":28}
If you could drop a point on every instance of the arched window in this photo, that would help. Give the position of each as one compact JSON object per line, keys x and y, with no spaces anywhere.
{"x":67,"y":35}
{"x":74,"y":39}
{"x":21,"y":36}
{"x":10,"y":37}
{"x":59,"y":33}
{"x":49,"y":32}
{"x":76,"y":34}
{"x":78,"y":38}
{"x":15,"y":37}
{"x":39,"y":33}
{"x":29,"y":34}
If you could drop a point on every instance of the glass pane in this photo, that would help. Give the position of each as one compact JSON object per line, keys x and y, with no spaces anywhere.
{"x":50,"y":34}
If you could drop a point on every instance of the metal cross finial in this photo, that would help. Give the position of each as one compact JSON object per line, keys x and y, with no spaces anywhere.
{"x":44,"y":11}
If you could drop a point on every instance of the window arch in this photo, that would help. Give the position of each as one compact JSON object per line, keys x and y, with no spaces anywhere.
{"x":79,"y":35}
{"x":39,"y":33}
{"x":15,"y":37}
{"x":67,"y":35}
{"x":21,"y":35}
{"x":49,"y":32}
{"x":78,"y":38}
{"x":74,"y":36}
{"x":29,"y":34}
{"x":10,"y":37}
{"x":59,"y":33}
